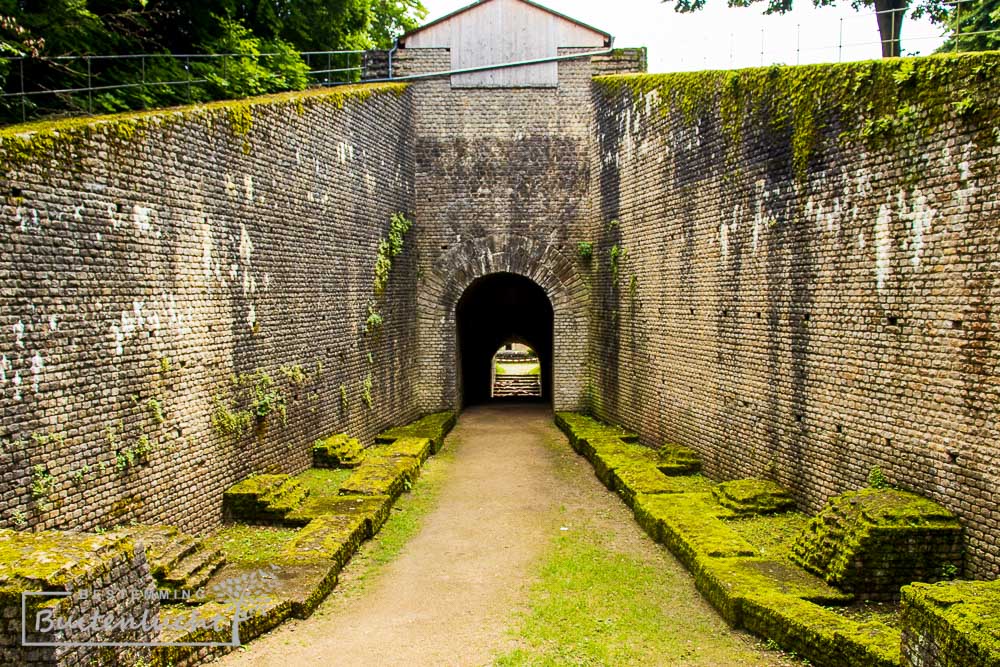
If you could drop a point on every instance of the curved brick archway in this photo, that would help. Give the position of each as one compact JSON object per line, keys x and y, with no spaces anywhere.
{"x":456,"y":268}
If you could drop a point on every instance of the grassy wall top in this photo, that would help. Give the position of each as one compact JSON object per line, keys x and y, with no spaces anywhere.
{"x":874,"y":102}
{"x":38,"y":140}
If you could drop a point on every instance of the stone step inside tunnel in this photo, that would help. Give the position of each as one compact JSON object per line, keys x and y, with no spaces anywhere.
{"x":495,"y":311}
{"x":517,"y":373}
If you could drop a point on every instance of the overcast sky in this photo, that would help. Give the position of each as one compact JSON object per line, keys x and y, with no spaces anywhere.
{"x":720,"y":37}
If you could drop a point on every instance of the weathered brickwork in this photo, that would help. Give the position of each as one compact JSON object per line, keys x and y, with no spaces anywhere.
{"x":503,"y":185}
{"x":145,"y":261}
{"x":107,"y":577}
{"x":797,"y":276}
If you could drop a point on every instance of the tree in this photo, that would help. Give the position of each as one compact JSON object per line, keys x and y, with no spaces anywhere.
{"x":980,"y":23}
{"x":889,"y":14}
{"x":392,"y":18}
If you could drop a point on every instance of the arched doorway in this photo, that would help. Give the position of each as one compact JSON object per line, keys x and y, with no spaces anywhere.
{"x":496,"y":309}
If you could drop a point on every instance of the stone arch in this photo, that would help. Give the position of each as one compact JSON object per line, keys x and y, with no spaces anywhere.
{"x":454,"y":269}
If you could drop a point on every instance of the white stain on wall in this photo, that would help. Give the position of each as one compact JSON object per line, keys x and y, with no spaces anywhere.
{"x":883,"y":244}
{"x":37,"y":364}
{"x":920,"y":214}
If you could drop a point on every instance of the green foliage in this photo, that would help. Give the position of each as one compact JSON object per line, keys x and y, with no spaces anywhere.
{"x":388,"y":249}
{"x":981,"y":18}
{"x":374,"y":320}
{"x":876,"y":479}
{"x":585,"y":249}
{"x":164,"y":365}
{"x":42,"y":485}
{"x":266,"y":38}
{"x":295,"y":374}
{"x":155,"y":409}
{"x":366,"y":390}
{"x":615,"y":256}
{"x":19,"y":518}
{"x":255,"y":397}
{"x":247,"y":72}
{"x":343,"y":397}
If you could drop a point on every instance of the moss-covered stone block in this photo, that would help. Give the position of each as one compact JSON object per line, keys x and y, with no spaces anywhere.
{"x":382,"y":477}
{"x":263,"y":499}
{"x":685,"y":524}
{"x":331,"y":537}
{"x":678,"y":460}
{"x":374,"y":509}
{"x":433,"y":426}
{"x":951,"y":624}
{"x":338,"y":451}
{"x":874,"y":541}
{"x":607,"y":454}
{"x":48,"y":560}
{"x":750,"y":497}
{"x":415,"y":448}
{"x":643,"y":477}
{"x":577,"y":426}
{"x":817,"y":634}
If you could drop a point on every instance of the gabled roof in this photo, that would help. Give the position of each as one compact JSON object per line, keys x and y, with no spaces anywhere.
{"x":446,"y":17}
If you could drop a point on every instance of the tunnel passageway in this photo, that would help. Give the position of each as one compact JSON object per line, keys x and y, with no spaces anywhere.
{"x":494,"y":310}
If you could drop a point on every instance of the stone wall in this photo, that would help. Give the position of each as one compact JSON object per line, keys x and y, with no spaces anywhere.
{"x":84,"y":580}
{"x":797,"y":275}
{"x":148,"y":261}
{"x":503,"y":185}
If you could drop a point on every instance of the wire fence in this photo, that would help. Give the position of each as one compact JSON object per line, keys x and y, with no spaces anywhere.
{"x":787,"y":40}
{"x":81,"y":85}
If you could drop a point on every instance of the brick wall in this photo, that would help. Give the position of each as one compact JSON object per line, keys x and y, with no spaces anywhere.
{"x":146,"y":260}
{"x":807,"y":262}
{"x":503,"y":185}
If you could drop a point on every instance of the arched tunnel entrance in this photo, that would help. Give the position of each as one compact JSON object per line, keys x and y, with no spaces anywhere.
{"x":494,"y":310}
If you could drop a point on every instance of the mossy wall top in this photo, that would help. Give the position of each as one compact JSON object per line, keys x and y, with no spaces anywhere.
{"x":183,"y":299}
{"x":798,"y":275}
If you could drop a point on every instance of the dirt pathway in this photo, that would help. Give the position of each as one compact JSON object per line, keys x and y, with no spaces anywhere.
{"x":451,"y":595}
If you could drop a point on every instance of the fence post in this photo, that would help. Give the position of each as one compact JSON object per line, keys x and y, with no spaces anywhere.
{"x":90,"y":87}
{"x":187,"y":67}
{"x":24,"y":97}
{"x":840,"y":42}
{"x":958,"y":25}
{"x":798,"y":42}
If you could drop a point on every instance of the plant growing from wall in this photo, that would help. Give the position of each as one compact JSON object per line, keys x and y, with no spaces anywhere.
{"x":155,"y":409}
{"x":876,"y":479}
{"x":19,"y":518}
{"x":388,"y":249}
{"x":585,"y":249}
{"x":366,"y":390}
{"x":254,"y":399}
{"x":42,"y":485}
{"x":615,"y":257}
{"x":374,"y":321}
{"x":343,"y":397}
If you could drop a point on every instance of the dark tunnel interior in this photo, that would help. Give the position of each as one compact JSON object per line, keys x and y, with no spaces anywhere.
{"x":497,"y":309}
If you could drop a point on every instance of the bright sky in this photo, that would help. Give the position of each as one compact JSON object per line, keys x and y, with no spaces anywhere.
{"x":718,"y":37}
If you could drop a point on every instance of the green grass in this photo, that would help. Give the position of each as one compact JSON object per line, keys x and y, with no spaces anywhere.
{"x":323,"y":481}
{"x":593,"y":605}
{"x":773,"y":535}
{"x":517,"y":368}
{"x":250,"y":544}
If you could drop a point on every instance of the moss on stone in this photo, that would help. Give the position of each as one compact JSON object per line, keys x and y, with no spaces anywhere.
{"x":415,"y":448}
{"x":685,"y":524}
{"x":382,"y":477}
{"x":48,"y":560}
{"x":42,"y":142}
{"x":262,"y":498}
{"x":874,"y":541}
{"x":952,"y":624}
{"x":338,"y":451}
{"x":329,"y":537}
{"x":375,"y":510}
{"x":678,"y":460}
{"x":749,"y":497}
{"x":577,"y":426}
{"x":870,"y":103}
{"x":433,"y":426}
{"x":772,"y":535}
